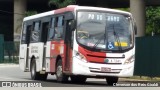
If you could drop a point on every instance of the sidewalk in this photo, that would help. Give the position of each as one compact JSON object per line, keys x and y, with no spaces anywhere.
{"x":8,"y":65}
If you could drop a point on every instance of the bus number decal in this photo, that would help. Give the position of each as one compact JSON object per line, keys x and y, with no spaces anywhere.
{"x":113,"y":18}
{"x":97,"y":17}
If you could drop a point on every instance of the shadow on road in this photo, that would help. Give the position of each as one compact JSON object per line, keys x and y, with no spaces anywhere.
{"x":54,"y":83}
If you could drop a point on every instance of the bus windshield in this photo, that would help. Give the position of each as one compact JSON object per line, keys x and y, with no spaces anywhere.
{"x":107,"y":31}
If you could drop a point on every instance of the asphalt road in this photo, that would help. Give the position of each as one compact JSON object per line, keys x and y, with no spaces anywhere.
{"x":13,"y":73}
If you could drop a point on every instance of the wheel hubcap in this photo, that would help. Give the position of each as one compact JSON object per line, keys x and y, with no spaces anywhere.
{"x":33,"y":70}
{"x":59,"y":71}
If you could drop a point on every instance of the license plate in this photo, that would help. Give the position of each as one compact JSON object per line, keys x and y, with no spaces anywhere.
{"x":105,"y":69}
{"x":114,"y":61}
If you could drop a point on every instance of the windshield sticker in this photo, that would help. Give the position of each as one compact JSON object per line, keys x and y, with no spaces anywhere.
{"x":110,"y":45}
{"x":90,"y":44}
{"x":123,"y":44}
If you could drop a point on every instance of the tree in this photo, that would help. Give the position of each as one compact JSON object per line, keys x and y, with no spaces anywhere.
{"x":153,"y":20}
{"x":124,"y":9}
{"x":61,"y":3}
{"x":29,"y":13}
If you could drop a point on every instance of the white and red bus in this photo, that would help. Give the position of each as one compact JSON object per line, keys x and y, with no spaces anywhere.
{"x":79,"y":42}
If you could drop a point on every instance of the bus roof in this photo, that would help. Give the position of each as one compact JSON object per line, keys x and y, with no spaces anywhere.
{"x":72,"y":8}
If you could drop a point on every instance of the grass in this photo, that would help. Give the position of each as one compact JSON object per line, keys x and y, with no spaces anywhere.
{"x":10,"y":61}
{"x":145,"y":78}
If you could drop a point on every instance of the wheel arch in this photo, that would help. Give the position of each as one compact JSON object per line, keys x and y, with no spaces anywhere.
{"x":31,"y":60}
{"x":57,"y":59}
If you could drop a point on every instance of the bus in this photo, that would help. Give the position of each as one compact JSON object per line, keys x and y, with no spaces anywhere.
{"x":78,"y":42}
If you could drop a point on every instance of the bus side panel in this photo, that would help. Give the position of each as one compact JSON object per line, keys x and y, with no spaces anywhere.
{"x":57,"y":48}
{"x":48,"y":58}
{"x":36,"y":50}
{"x":22,"y":56}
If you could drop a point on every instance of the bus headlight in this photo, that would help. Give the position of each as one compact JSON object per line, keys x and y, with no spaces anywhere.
{"x":80,"y":56}
{"x":129,"y":60}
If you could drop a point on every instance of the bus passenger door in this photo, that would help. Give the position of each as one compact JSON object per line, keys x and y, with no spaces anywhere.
{"x":68,"y":42}
{"x":44,"y":33}
{"x":23,"y":58}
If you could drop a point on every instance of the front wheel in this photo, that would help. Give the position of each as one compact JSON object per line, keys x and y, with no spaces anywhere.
{"x":61,"y":77}
{"x":111,"y":80}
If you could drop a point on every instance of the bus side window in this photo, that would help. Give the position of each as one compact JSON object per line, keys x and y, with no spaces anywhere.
{"x":26,"y":34}
{"x":36,"y":32}
{"x":51,"y":32}
{"x":59,"y":28}
{"x":44,"y":32}
{"x":23,"y":38}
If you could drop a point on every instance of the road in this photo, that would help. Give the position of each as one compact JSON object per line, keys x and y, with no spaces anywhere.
{"x":13,"y":73}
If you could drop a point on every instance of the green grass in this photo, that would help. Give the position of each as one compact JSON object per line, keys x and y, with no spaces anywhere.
{"x":10,"y":61}
{"x":144,"y":78}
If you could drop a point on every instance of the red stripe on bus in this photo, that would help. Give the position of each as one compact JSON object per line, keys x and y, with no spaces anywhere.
{"x":62,"y":10}
{"x":92,"y":56}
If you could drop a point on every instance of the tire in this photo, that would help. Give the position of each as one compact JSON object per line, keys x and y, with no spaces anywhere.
{"x":61,"y":77}
{"x":78,"y":79}
{"x":34,"y":75}
{"x":111,"y":80}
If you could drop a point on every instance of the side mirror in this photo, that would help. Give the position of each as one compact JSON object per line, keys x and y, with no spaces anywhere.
{"x":72,"y":25}
{"x":135,"y":29}
{"x":69,"y":16}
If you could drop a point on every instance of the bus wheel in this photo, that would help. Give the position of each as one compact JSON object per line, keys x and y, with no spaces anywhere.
{"x":111,"y":80}
{"x":78,"y":79}
{"x":61,"y":77}
{"x":34,"y":75}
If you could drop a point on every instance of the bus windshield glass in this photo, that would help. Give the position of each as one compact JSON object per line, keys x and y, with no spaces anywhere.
{"x":107,"y":31}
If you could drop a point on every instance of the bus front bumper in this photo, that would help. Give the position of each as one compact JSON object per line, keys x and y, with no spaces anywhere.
{"x":96,"y":69}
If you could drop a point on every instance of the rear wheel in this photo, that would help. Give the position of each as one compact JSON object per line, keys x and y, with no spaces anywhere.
{"x":111,"y":80}
{"x":78,"y":79}
{"x":61,"y":77}
{"x":34,"y":75}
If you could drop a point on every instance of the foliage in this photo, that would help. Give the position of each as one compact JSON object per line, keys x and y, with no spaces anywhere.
{"x":29,"y":13}
{"x":124,"y":9}
{"x":61,"y":3}
{"x":153,"y":20}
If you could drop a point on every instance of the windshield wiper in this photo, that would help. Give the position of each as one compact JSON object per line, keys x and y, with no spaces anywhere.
{"x":117,"y":39}
{"x":99,"y":40}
